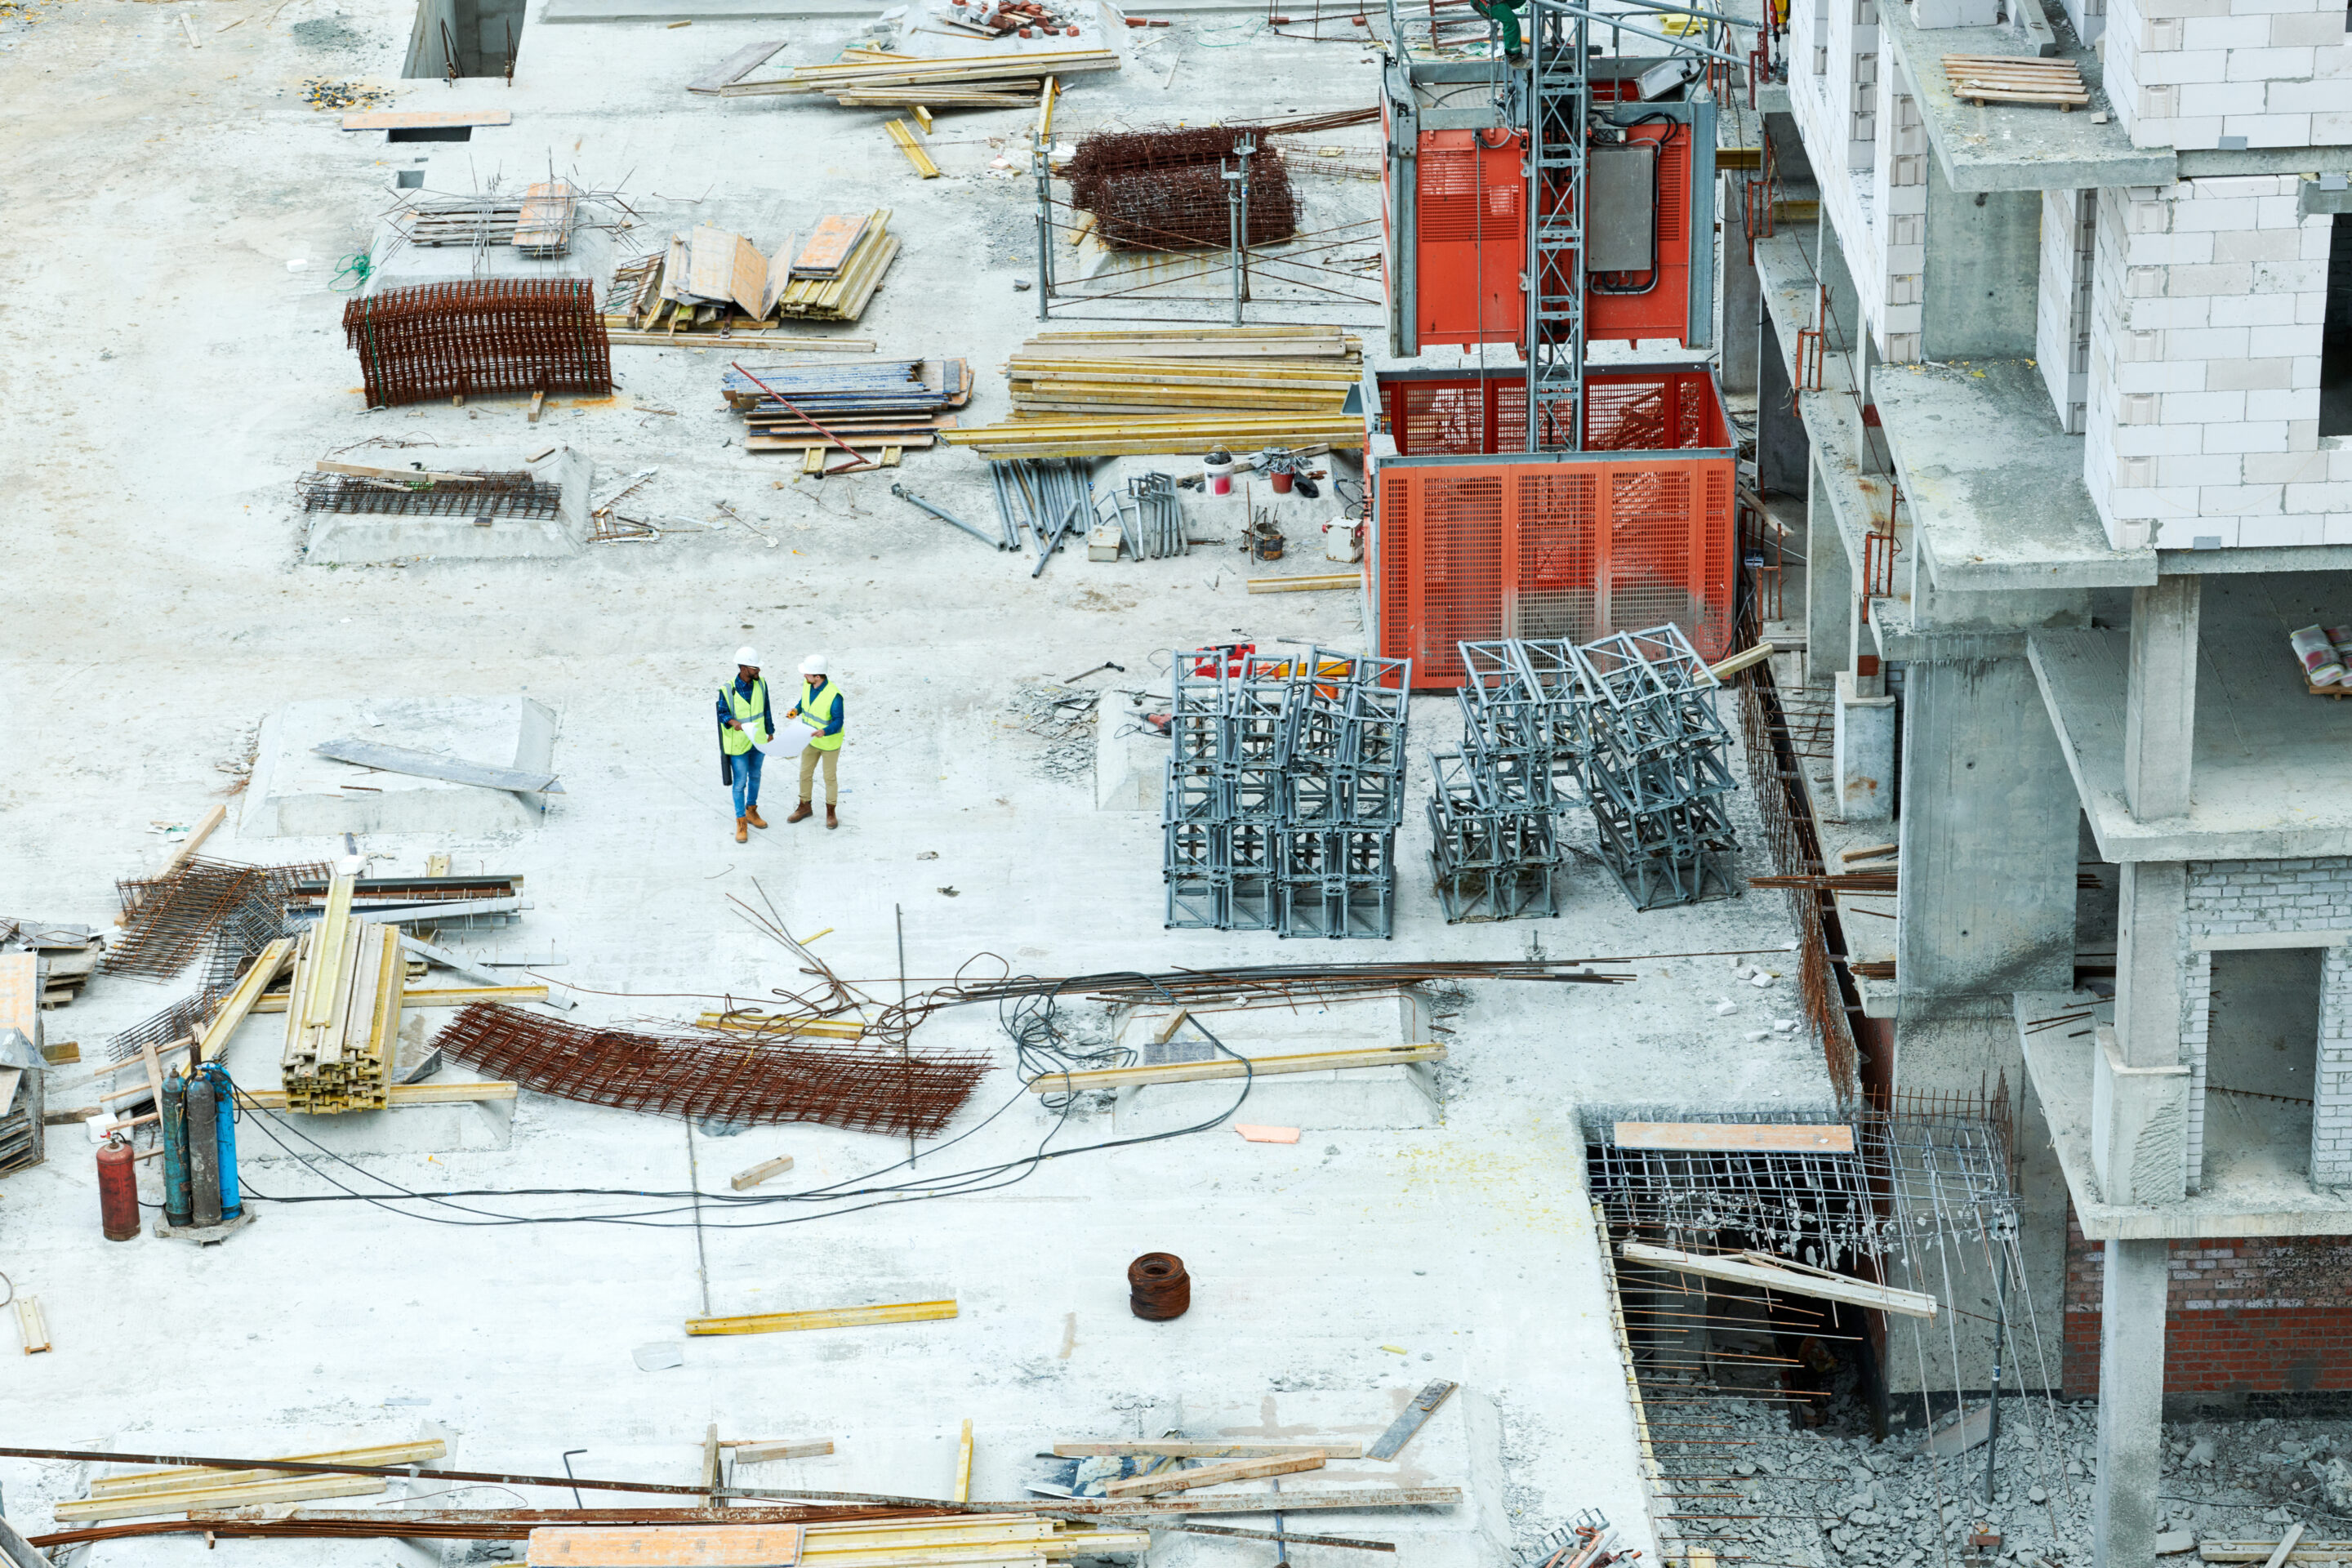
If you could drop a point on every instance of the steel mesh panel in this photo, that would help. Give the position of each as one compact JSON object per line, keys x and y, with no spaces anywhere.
{"x":480,"y":337}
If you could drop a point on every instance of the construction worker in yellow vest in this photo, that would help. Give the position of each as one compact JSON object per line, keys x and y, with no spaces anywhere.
{"x":745,"y":724}
{"x":820,"y":708}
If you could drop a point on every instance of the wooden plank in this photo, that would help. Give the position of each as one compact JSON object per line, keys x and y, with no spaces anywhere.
{"x":836,"y":235}
{"x":1853,"y":1292}
{"x":421,"y":118}
{"x":747,"y":284}
{"x":779,"y":274}
{"x":405,"y":476}
{"x":821,"y":1028}
{"x":964,"y":1463}
{"x":1317,"y":585}
{"x":1735,"y":1137}
{"x":1401,"y":1431}
{"x":666,"y":1546}
{"x":915,"y":154}
{"x":823,"y":1318}
{"x":184,"y":1477}
{"x":299,"y":1489}
{"x":753,"y":1175}
{"x":2261,"y":1551}
{"x":1184,"y":1450}
{"x":1227,"y":1067}
{"x":735,"y":66}
{"x":32,"y":1326}
{"x":2286,"y":1544}
{"x":1213,"y":1475}
{"x":400,"y":1094}
{"x":196,"y":840}
{"x":710,"y":263}
{"x":273,"y":961}
{"x":769,"y":1452}
{"x":440,"y":996}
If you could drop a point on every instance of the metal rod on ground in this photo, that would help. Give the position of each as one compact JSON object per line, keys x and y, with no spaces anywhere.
{"x":694,"y":1185}
{"x":899,"y":918}
{"x":863,"y":460}
{"x":1043,"y":151}
{"x":903,"y":493}
{"x":2000,"y":1332}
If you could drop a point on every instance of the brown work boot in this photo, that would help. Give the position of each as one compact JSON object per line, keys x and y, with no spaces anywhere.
{"x":752,"y":815}
{"x":801,"y":813}
{"x":831,"y":820}
{"x":743,"y":834}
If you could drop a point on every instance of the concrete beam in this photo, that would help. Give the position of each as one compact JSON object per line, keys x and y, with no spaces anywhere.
{"x":1828,"y":584}
{"x":2153,"y":902}
{"x":2131,"y":1405}
{"x":1743,"y":299}
{"x":2160,"y":703}
{"x":1982,"y":287}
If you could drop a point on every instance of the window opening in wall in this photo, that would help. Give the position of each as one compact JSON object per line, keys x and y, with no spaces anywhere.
{"x":2262,"y":1048}
{"x":2336,"y":335}
{"x":455,"y":38}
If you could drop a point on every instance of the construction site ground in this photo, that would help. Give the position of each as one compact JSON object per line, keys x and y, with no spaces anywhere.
{"x":167,"y":370}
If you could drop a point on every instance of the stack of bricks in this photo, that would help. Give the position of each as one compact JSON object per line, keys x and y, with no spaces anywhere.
{"x":2238,"y":902}
{"x":2062,"y":331}
{"x":1899,"y":200}
{"x":2238,"y":73}
{"x":2245,"y":1315}
{"x":2208,"y":299}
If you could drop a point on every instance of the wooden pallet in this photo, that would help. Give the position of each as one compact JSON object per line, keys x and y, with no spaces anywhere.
{"x":2336,"y":691}
{"x":2006,"y":79}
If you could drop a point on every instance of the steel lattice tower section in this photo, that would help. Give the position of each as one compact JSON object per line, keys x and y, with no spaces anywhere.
{"x":1559,"y":99}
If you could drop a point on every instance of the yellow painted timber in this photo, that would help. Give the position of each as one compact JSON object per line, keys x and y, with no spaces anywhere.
{"x":1259,"y":1067}
{"x":450,"y":996}
{"x":819,"y":1028}
{"x":1181,"y":1450}
{"x":327,"y":938}
{"x":1045,"y":96}
{"x":915,"y":154}
{"x":187,"y":1478}
{"x":294,"y":1488}
{"x":922,"y":118}
{"x":823,"y":1318}
{"x":1213,"y":1475}
{"x":246,"y":998}
{"x":964,"y":1463}
{"x":400,"y":1094}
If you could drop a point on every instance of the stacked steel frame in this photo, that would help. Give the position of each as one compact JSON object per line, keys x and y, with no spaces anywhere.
{"x":488,"y":335}
{"x":1285,"y":788}
{"x":1625,"y":719}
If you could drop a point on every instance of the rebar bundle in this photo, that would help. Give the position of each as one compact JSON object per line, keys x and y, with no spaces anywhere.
{"x":1054,"y":499}
{"x":488,"y":335}
{"x":1284,"y":792}
{"x":1165,"y":189}
{"x":855,"y":1086}
{"x":490,"y":495}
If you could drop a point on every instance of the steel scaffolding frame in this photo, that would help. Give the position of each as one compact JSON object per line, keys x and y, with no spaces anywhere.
{"x":1655,"y":774}
{"x":1285,"y":788}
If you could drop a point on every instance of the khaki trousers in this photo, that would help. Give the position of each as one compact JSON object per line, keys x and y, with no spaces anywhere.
{"x":810,"y":756}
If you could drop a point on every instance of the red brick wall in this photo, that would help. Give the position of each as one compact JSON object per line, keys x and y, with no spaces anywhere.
{"x":2260,"y":1315}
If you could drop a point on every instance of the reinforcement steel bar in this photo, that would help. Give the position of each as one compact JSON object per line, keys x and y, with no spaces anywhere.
{"x":479,"y":337}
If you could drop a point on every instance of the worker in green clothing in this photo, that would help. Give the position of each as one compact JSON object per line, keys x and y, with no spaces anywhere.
{"x":820,"y":708}
{"x":745,"y":725}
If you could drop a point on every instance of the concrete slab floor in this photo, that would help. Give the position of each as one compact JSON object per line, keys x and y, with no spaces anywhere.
{"x":156,"y":609}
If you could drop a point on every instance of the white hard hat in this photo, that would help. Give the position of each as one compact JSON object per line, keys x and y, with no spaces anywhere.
{"x":749,"y":656}
{"x":813,"y":665}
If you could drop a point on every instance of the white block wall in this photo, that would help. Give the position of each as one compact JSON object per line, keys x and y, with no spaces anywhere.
{"x":1899,"y":201}
{"x":1854,"y":80}
{"x":2249,"y":898}
{"x":2188,"y":73}
{"x":2206,"y":300}
{"x":2061,"y":329}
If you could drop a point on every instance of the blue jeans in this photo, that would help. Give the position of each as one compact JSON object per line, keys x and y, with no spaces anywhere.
{"x":747,"y":780}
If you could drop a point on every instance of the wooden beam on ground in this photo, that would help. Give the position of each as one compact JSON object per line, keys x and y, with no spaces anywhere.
{"x":1181,"y":1450}
{"x":823,"y":1318}
{"x":399,"y":1094}
{"x":439,"y":996}
{"x":1225,"y":1067}
{"x":1741,"y":660}
{"x":1214,"y":1475}
{"x":964,"y":1463}
{"x":1852,"y":1292}
{"x":751,"y":1176}
{"x":1736,"y":1137}
{"x":184,"y":1477}
{"x":297,"y":1489}
{"x":1318,"y":584}
{"x":2262,"y":1551}
{"x":767,"y":1453}
{"x":196,"y":838}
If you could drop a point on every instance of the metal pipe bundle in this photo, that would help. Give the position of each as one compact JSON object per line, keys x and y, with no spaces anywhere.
{"x":1052,"y":497}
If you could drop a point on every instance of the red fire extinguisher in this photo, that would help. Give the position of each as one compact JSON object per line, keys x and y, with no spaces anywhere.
{"x":118,"y":1190}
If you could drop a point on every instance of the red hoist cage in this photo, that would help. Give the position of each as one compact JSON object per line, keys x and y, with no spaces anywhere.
{"x":1477,"y":540}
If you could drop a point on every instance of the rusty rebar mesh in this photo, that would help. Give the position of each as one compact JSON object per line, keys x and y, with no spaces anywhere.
{"x":251,"y":917}
{"x":862,"y":1086}
{"x":485,"y":336}
{"x":492,"y":495}
{"x":1166,"y":190}
{"x":174,"y":918}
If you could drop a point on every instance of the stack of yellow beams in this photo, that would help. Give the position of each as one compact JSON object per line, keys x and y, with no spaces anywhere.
{"x":1183,"y":390}
{"x":136,"y":1494}
{"x":873,"y":77}
{"x":957,"y":1541}
{"x":342,"y":1014}
{"x":842,"y":296}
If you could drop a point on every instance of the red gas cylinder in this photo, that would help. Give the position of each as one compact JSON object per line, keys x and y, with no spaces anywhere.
{"x":118,"y":1191}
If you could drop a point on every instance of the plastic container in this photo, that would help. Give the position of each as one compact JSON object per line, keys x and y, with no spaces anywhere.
{"x":1217,"y":468}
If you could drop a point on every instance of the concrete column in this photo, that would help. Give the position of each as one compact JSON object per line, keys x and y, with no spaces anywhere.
{"x":1985,"y":905}
{"x":1829,"y":586}
{"x":1982,"y":284}
{"x":2153,"y":902}
{"x":1743,"y":294}
{"x":2160,"y":700}
{"x":1861,"y":749}
{"x":2131,"y":1405}
{"x":1783,"y":449}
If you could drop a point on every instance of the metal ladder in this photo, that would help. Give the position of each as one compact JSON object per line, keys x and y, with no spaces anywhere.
{"x":1559,"y":95}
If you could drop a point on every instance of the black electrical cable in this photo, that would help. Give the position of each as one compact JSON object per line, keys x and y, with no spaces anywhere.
{"x":1037,"y":1043}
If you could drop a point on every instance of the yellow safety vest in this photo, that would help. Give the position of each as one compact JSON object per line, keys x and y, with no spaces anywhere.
{"x":747,"y":714}
{"x":831,"y":696}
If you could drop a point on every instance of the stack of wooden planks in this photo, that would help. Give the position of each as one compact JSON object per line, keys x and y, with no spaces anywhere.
{"x":67,"y":954}
{"x":343,"y":1017}
{"x":2006,"y":79}
{"x":980,"y":1539}
{"x":870,"y":77}
{"x":714,"y":280}
{"x":837,"y":271}
{"x":878,"y":404}
{"x":1177,"y":391}
{"x":135,"y":1494}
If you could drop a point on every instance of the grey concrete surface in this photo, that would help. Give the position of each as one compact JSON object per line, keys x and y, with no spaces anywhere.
{"x":2124,"y":1507}
{"x":297,"y":794}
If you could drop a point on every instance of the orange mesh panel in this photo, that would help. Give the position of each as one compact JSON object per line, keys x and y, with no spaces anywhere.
{"x":1558,"y":541}
{"x":1649,"y":548}
{"x":1460,"y":591}
{"x":1397,"y":560}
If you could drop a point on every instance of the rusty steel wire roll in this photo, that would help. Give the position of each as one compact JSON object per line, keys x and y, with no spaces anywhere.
{"x":1158,"y":1289}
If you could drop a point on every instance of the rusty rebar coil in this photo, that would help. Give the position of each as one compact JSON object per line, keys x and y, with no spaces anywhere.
{"x":1157,"y":1288}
